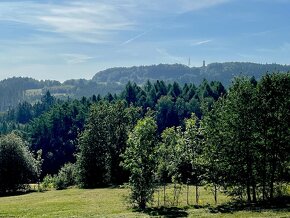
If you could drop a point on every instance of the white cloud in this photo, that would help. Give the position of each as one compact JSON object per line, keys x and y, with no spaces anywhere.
{"x":94,"y":21}
{"x":76,"y":58}
{"x":196,"y":43}
{"x":80,"y":20}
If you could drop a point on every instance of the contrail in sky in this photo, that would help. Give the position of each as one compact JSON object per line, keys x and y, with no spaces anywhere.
{"x":136,"y":37}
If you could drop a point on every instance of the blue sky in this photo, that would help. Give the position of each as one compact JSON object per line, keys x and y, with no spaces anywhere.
{"x":65,"y":39}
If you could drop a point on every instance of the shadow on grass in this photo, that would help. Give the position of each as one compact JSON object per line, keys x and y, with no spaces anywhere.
{"x":165,"y":212}
{"x":16,"y":193}
{"x":278,"y":204}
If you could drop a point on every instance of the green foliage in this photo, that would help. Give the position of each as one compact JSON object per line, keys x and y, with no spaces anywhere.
{"x":66,"y":176}
{"x":102,"y":143}
{"x":55,"y":133}
{"x":17,"y":165}
{"x":194,"y":149}
{"x":167,"y":115}
{"x":140,"y":160}
{"x":247,"y":137}
{"x":48,"y":182}
{"x":171,"y":153}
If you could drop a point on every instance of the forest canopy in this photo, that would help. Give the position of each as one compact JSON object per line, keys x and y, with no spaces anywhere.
{"x":236,"y":140}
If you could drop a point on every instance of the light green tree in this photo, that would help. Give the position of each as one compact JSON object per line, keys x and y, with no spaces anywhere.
{"x":140,"y":160}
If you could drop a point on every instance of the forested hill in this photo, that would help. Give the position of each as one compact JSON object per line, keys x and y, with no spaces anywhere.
{"x":15,"y":90}
{"x":18,"y":89}
{"x":223,"y":72}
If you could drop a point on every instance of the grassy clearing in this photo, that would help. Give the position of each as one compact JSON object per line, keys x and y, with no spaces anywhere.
{"x":110,"y":202}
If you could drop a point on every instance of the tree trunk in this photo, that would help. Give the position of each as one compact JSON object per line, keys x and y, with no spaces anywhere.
{"x":142,"y":203}
{"x":264,"y":181}
{"x":164,"y":194}
{"x":174,"y":195}
{"x":248,"y":192}
{"x":196,"y":194}
{"x":215,"y":194}
{"x":272,"y":180}
{"x":187,"y":194}
{"x":178,"y":194}
{"x":158,"y":197}
{"x":38,"y":185}
{"x":254,"y":192}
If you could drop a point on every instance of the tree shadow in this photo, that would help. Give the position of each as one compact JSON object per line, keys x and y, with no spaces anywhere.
{"x":277,"y":204}
{"x":16,"y":193}
{"x":166,"y":212}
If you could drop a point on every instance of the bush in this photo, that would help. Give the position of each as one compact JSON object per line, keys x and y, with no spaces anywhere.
{"x":17,"y":164}
{"x":66,"y":176}
{"x":48,"y":182}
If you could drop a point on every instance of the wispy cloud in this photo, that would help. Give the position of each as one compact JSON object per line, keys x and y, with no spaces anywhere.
{"x":169,"y":57}
{"x":284,"y":47}
{"x":88,"y":21}
{"x":93,"y":21}
{"x":135,"y":37}
{"x":200,"y":42}
{"x":76,"y":58}
{"x":178,"y":6}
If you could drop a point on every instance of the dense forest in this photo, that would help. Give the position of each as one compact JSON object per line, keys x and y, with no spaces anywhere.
{"x":113,"y":80}
{"x":235,"y":139}
{"x":223,"y":72}
{"x":53,"y":125}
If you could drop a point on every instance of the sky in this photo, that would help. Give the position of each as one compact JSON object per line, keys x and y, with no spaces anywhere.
{"x":71,"y":39}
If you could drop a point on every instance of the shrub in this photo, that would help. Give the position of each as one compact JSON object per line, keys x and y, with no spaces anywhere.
{"x":17,"y":165}
{"x":48,"y":182}
{"x":66,"y":176}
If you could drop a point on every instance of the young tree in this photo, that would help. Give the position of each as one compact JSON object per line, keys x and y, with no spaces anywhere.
{"x":211,"y":126}
{"x":194,"y":146}
{"x":140,"y":160}
{"x":171,"y":158}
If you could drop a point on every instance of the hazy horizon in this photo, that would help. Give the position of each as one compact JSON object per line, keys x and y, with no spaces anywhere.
{"x":75,"y":39}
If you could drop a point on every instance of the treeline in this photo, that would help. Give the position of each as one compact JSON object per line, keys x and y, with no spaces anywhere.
{"x":18,"y":90}
{"x":53,"y":125}
{"x":240,"y":145}
{"x":237,"y":141}
{"x":223,"y":72}
{"x":12,"y":90}
{"x":113,"y":80}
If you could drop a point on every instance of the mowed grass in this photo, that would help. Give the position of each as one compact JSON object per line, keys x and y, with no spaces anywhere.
{"x":110,"y":202}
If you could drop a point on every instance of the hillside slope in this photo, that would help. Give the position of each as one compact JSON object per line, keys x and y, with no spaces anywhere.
{"x":223,"y":72}
{"x":17,"y":89}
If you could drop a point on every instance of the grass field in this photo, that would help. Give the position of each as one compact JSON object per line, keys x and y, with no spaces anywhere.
{"x":110,"y":202}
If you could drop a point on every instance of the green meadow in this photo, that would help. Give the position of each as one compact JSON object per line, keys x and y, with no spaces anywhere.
{"x":111,"y":202}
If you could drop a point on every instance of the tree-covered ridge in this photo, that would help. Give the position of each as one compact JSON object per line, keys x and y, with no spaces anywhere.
{"x":12,"y":90}
{"x":19,"y":89}
{"x":223,"y":72}
{"x":16,"y":90}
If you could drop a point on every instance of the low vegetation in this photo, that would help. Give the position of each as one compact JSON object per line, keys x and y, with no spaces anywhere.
{"x":109,"y":202}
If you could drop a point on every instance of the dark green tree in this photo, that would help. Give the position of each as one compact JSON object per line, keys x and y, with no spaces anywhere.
{"x":17,"y":164}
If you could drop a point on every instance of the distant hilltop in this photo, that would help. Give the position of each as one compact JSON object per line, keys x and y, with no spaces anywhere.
{"x":223,"y":72}
{"x":17,"y":89}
